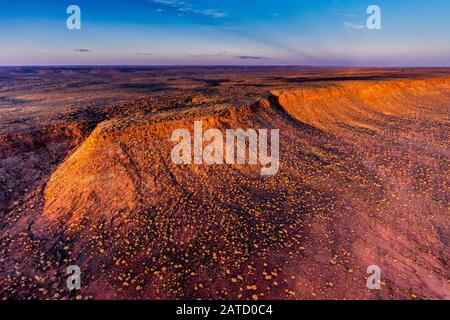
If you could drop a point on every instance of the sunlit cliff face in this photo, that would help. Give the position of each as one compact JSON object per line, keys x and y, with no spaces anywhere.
{"x":352,"y":154}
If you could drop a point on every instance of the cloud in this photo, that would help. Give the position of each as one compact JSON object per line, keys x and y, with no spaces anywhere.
{"x":229,"y":27}
{"x":215,"y":13}
{"x":226,"y":55}
{"x":187,"y":7}
{"x":209,"y":55}
{"x":249,"y":58}
{"x":82,"y":50}
{"x":354,"y":26}
{"x":221,"y":19}
{"x":144,"y":54}
{"x":167,"y":2}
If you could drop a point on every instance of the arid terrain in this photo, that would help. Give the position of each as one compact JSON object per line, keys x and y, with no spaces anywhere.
{"x":86,"y":178}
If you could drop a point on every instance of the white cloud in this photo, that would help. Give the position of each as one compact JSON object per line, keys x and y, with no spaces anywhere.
{"x":354,"y":26}
{"x":186,"y":7}
{"x":212,"y":13}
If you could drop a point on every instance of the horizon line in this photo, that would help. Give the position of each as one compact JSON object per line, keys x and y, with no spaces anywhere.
{"x":219,"y":65}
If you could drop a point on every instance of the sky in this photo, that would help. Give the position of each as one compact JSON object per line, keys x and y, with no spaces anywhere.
{"x":225,"y":32}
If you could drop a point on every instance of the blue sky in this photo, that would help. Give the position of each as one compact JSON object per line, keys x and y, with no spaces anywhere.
{"x":232,"y":32}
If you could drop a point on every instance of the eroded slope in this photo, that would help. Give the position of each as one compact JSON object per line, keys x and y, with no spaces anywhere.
{"x":363,"y":180}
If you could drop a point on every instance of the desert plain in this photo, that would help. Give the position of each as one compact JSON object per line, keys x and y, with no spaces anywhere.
{"x":86,"y":179}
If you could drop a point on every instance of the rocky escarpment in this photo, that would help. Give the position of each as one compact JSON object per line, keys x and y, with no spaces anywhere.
{"x":362,"y":181}
{"x":28,"y":157}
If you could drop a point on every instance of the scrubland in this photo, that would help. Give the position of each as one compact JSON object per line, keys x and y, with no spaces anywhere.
{"x":86,"y":179}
